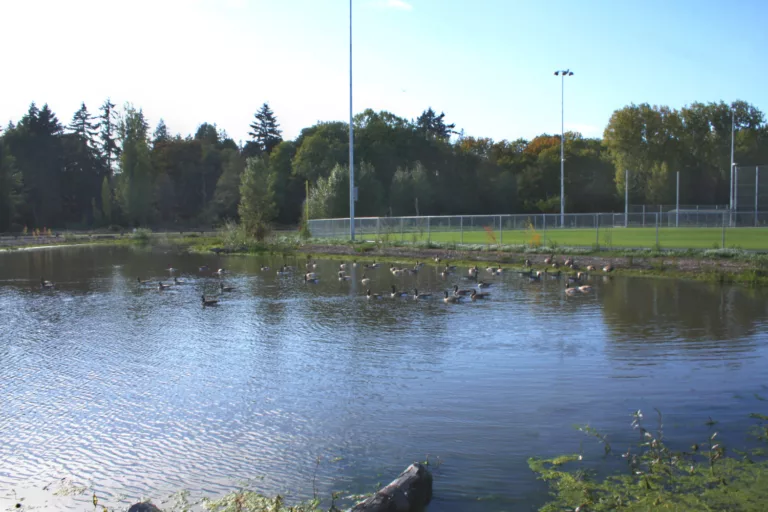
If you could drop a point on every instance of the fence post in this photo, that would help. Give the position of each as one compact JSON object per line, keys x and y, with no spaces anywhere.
{"x":378,"y":228}
{"x":757,"y":183}
{"x":501,"y":231}
{"x":597,"y":230}
{"x":461,"y":226}
{"x":657,"y":230}
{"x":429,"y":229}
{"x":643,"y":215}
{"x":402,"y":228}
{"x":544,"y":223}
{"x":723,"y":241}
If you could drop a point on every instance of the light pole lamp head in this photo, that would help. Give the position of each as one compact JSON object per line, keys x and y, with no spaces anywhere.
{"x":557,"y":73}
{"x":570,"y":73}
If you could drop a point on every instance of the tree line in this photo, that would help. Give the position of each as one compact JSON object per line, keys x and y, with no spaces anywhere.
{"x":110,"y":168}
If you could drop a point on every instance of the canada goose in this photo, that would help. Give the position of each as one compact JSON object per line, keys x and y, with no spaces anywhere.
{"x":451,"y":299}
{"x":365,"y":279}
{"x":553,"y":275}
{"x":555,"y":264}
{"x":343,"y":266}
{"x":372,"y":265}
{"x":436,"y":259}
{"x":370,"y":295}
{"x":413,"y":271}
{"x":311,"y":265}
{"x":569,"y":290}
{"x":445,"y":272}
{"x":417,"y":295}
{"x":178,"y":281}
{"x":204,"y":268}
{"x":549,"y":259}
{"x":46,"y":285}
{"x":209,"y":302}
{"x":310,"y":275}
{"x":343,"y":276}
{"x":568,"y":261}
{"x":591,"y":268}
{"x":585,"y":289}
{"x":573,"y":279}
{"x":499,"y":271}
{"x":310,"y":278}
{"x":460,"y":293}
{"x":220,"y":272}
{"x":527,"y":262}
{"x":482,"y":295}
{"x":395,"y":294}
{"x":419,"y":264}
{"x":483,"y":284}
{"x":283,"y":271}
{"x":226,"y":288}
{"x":354,"y":263}
{"x":161,"y":286}
{"x":472,"y":272}
{"x":535,"y":276}
{"x":582,"y":275}
{"x":171,"y":269}
{"x":608,"y":268}
{"x":264,"y":268}
{"x":141,"y":281}
{"x":397,"y":272}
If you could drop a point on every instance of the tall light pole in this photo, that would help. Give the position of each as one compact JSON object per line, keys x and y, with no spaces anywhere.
{"x":562,"y":74}
{"x":351,"y":140}
{"x":733,"y":164}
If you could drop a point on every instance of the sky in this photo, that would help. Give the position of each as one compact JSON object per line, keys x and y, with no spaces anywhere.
{"x":488,"y":64}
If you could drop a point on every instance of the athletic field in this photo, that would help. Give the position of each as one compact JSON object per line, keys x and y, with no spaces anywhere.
{"x":668,"y":238}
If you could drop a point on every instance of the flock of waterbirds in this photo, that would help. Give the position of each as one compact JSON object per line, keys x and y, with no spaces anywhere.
{"x":576,"y":279}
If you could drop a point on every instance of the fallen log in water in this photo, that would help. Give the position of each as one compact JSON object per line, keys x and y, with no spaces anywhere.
{"x":409,"y":492}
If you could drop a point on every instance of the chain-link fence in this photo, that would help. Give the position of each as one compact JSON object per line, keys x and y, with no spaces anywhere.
{"x":681,"y":228}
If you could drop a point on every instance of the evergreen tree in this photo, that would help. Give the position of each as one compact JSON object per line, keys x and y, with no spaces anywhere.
{"x":106,"y":200}
{"x":108,"y":135}
{"x":433,"y":125}
{"x":266,"y":132}
{"x":257,"y":200}
{"x":161,"y":133}
{"x":10,"y":188}
{"x":135,"y":167}
{"x":83,"y":127}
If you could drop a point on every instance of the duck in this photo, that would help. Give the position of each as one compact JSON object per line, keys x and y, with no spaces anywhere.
{"x":343,"y":276}
{"x":483,"y":284}
{"x":209,"y":302}
{"x":476,"y":296}
{"x":608,"y":268}
{"x":161,"y":286}
{"x":418,"y":296}
{"x":226,"y":288}
{"x":265,"y":268}
{"x":395,"y":294}
{"x":451,"y":299}
{"x":204,"y":268}
{"x":370,"y":295}
{"x":585,"y":289}
{"x":365,"y":279}
{"x":570,"y":291}
{"x":461,"y":293}
{"x":46,"y":285}
{"x":142,"y":281}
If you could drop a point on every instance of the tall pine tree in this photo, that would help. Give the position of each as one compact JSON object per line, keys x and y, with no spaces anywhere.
{"x":266,"y":131}
{"x":84,"y":127}
{"x":108,"y":135}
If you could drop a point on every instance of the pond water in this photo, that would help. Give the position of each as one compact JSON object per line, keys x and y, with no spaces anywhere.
{"x":133,"y":392}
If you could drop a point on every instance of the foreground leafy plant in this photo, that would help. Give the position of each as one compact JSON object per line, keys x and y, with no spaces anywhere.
{"x":659,"y":478}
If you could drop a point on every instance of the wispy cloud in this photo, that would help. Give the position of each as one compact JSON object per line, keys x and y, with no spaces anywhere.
{"x":397,"y":4}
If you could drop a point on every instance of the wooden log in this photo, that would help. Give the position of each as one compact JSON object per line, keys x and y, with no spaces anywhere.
{"x":409,"y":492}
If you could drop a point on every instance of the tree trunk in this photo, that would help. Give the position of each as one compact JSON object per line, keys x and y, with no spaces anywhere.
{"x":409,"y":492}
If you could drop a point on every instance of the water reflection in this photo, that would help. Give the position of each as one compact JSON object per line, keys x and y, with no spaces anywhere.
{"x":145,"y":392}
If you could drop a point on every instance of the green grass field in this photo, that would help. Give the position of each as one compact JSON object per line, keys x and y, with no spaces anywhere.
{"x":669,"y":238}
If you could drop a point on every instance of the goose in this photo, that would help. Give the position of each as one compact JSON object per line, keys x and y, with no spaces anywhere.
{"x":553,"y":275}
{"x":569,"y":290}
{"x":483,"y":284}
{"x":549,"y":259}
{"x":354,"y":263}
{"x":419,"y":264}
{"x":310,"y":278}
{"x":451,"y":299}
{"x":209,"y":302}
{"x":582,"y":275}
{"x":220,"y":272}
{"x":397,"y":272}
{"x":370,"y":295}
{"x":372,"y":265}
{"x":395,"y":294}
{"x":141,"y":281}
{"x":226,"y":288}
{"x":452,"y":267}
{"x":472,"y":272}
{"x":482,"y":295}
{"x":171,"y":269}
{"x":204,"y":268}
{"x":343,"y":266}
{"x":491,"y":270}
{"x":413,"y":271}
{"x":460,"y":293}
{"x":161,"y":286}
{"x":417,"y":295}
{"x":365,"y":279}
{"x":527,"y":262}
{"x":445,"y":273}
{"x":555,"y":264}
{"x":178,"y":281}
{"x":573,"y":279}
{"x":608,"y":268}
{"x":591,"y":268}
{"x":499,"y":271}
{"x":46,"y":285}
{"x":343,"y":276}
{"x":535,"y":276}
{"x":310,"y":275}
{"x":436,"y":259}
{"x":585,"y":289}
{"x":265,"y":268}
{"x":283,"y":271}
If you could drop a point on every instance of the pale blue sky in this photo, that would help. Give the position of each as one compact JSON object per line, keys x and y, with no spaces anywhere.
{"x":487,"y":63}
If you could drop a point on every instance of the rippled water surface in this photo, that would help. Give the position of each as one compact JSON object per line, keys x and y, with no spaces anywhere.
{"x":134,"y":392}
